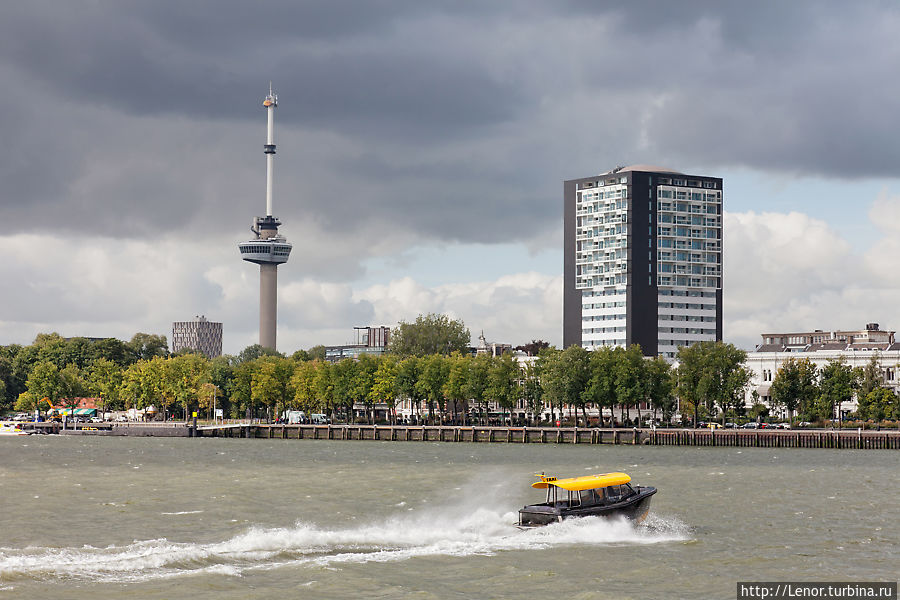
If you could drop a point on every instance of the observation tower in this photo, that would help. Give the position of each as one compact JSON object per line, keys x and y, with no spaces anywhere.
{"x":267,"y":248}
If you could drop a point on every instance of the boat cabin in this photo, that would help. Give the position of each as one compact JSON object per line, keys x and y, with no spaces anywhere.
{"x":591,"y":490}
{"x":606,"y":495}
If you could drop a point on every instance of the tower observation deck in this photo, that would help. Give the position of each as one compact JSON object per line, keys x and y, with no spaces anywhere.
{"x":267,"y":248}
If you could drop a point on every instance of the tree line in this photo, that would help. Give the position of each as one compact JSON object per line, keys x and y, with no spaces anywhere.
{"x":429,"y":366}
{"x":449,"y":386}
{"x":817,"y":393}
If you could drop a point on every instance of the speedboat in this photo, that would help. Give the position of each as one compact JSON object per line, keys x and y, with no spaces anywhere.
{"x":605,"y":495}
{"x":6,"y":429}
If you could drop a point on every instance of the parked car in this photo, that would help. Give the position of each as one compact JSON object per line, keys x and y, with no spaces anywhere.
{"x":96,"y":419}
{"x":21,"y":417}
{"x":783,"y":426}
{"x":730,"y":425}
{"x":319,"y":419}
{"x":714,"y":425}
{"x":804,"y":424}
{"x":750,"y":425}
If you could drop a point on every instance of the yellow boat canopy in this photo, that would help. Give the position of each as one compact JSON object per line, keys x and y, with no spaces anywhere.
{"x":587,"y":482}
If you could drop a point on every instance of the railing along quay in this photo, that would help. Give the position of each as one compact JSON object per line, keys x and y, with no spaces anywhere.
{"x":850,"y":439}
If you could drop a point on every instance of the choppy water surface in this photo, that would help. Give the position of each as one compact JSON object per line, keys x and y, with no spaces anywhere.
{"x":171,"y":518}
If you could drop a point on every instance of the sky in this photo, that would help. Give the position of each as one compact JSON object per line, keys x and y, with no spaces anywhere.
{"x":422,"y":148}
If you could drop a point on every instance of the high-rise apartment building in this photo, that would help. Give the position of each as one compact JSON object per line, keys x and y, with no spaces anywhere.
{"x":200,"y":334}
{"x":642,"y":259}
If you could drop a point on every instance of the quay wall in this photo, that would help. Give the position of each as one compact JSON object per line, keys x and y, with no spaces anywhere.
{"x":814,"y":438}
{"x":837,"y":439}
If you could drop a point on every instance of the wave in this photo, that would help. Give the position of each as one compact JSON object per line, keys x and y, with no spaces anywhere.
{"x":481,"y":532}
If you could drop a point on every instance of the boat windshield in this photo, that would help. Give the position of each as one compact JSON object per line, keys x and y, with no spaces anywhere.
{"x":615,"y":493}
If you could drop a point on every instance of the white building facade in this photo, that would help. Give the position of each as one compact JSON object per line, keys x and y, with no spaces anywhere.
{"x":856,"y":348}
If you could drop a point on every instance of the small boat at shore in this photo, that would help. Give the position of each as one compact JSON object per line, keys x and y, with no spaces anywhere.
{"x":605,"y":495}
{"x":6,"y":429}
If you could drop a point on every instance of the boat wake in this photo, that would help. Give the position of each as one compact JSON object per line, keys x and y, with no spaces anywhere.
{"x":481,"y":532}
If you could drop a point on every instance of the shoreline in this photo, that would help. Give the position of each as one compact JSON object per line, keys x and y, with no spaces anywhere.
{"x":817,"y":438}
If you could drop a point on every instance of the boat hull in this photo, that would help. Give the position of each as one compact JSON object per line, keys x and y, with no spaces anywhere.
{"x":634,"y":507}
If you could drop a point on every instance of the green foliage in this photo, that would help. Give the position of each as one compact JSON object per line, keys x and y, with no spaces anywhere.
{"x":837,"y":385}
{"x":869,"y":377}
{"x":795,"y":386}
{"x":476,"y":382}
{"x":303,"y":381}
{"x":146,"y":346}
{"x":659,"y":386}
{"x":432,"y":378}
{"x":879,"y":404}
{"x":429,"y":334}
{"x":363,"y":380}
{"x":270,"y":381}
{"x":255,"y":351}
{"x":408,"y":372}
{"x":45,"y":381}
{"x":503,"y":382}
{"x":384,"y":385}
{"x":456,"y":386}
{"x":711,"y":375}
{"x":316,"y":353}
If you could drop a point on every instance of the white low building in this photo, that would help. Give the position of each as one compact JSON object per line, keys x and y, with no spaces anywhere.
{"x":856,"y":348}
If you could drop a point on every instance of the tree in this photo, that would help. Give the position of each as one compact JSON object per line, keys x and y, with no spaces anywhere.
{"x":270,"y":383}
{"x":324,"y":384}
{"x":304,"y":383}
{"x":658,"y":386}
{"x":208,"y":394}
{"x":240,"y":390}
{"x":255,"y":351}
{"x":795,"y":386}
{"x":877,"y":404}
{"x":408,"y":371}
{"x":429,"y":334}
{"x":838,"y":382}
{"x":534,"y":347}
{"x":145,"y":346}
{"x":27,"y":402}
{"x":456,"y":386}
{"x":114,"y":351}
{"x":629,"y":377}
{"x":711,"y":374}
{"x":46,"y":382}
{"x":601,"y":387}
{"x":343,"y":376}
{"x":384,"y":386}
{"x":104,"y":378}
{"x":869,"y":376}
{"x":531,"y":389}
{"x":361,"y":387}
{"x":476,"y":381}
{"x":186,"y":375}
{"x":565,"y":375}
{"x":430,"y":385}
{"x":316,"y":353}
{"x":503,"y":383}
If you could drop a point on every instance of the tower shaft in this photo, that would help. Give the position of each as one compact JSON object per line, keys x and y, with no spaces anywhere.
{"x":268,"y":304}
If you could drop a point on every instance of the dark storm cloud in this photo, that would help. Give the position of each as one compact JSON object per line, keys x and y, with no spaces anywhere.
{"x":453,"y":121}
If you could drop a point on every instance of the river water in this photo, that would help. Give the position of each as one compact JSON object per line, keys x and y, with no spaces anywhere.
{"x":105,"y":518}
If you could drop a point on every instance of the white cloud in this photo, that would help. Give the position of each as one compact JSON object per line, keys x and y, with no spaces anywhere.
{"x":793,"y":272}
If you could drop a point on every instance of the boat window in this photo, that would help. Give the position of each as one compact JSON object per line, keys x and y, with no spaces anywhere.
{"x":588,"y":497}
{"x":614,"y":493}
